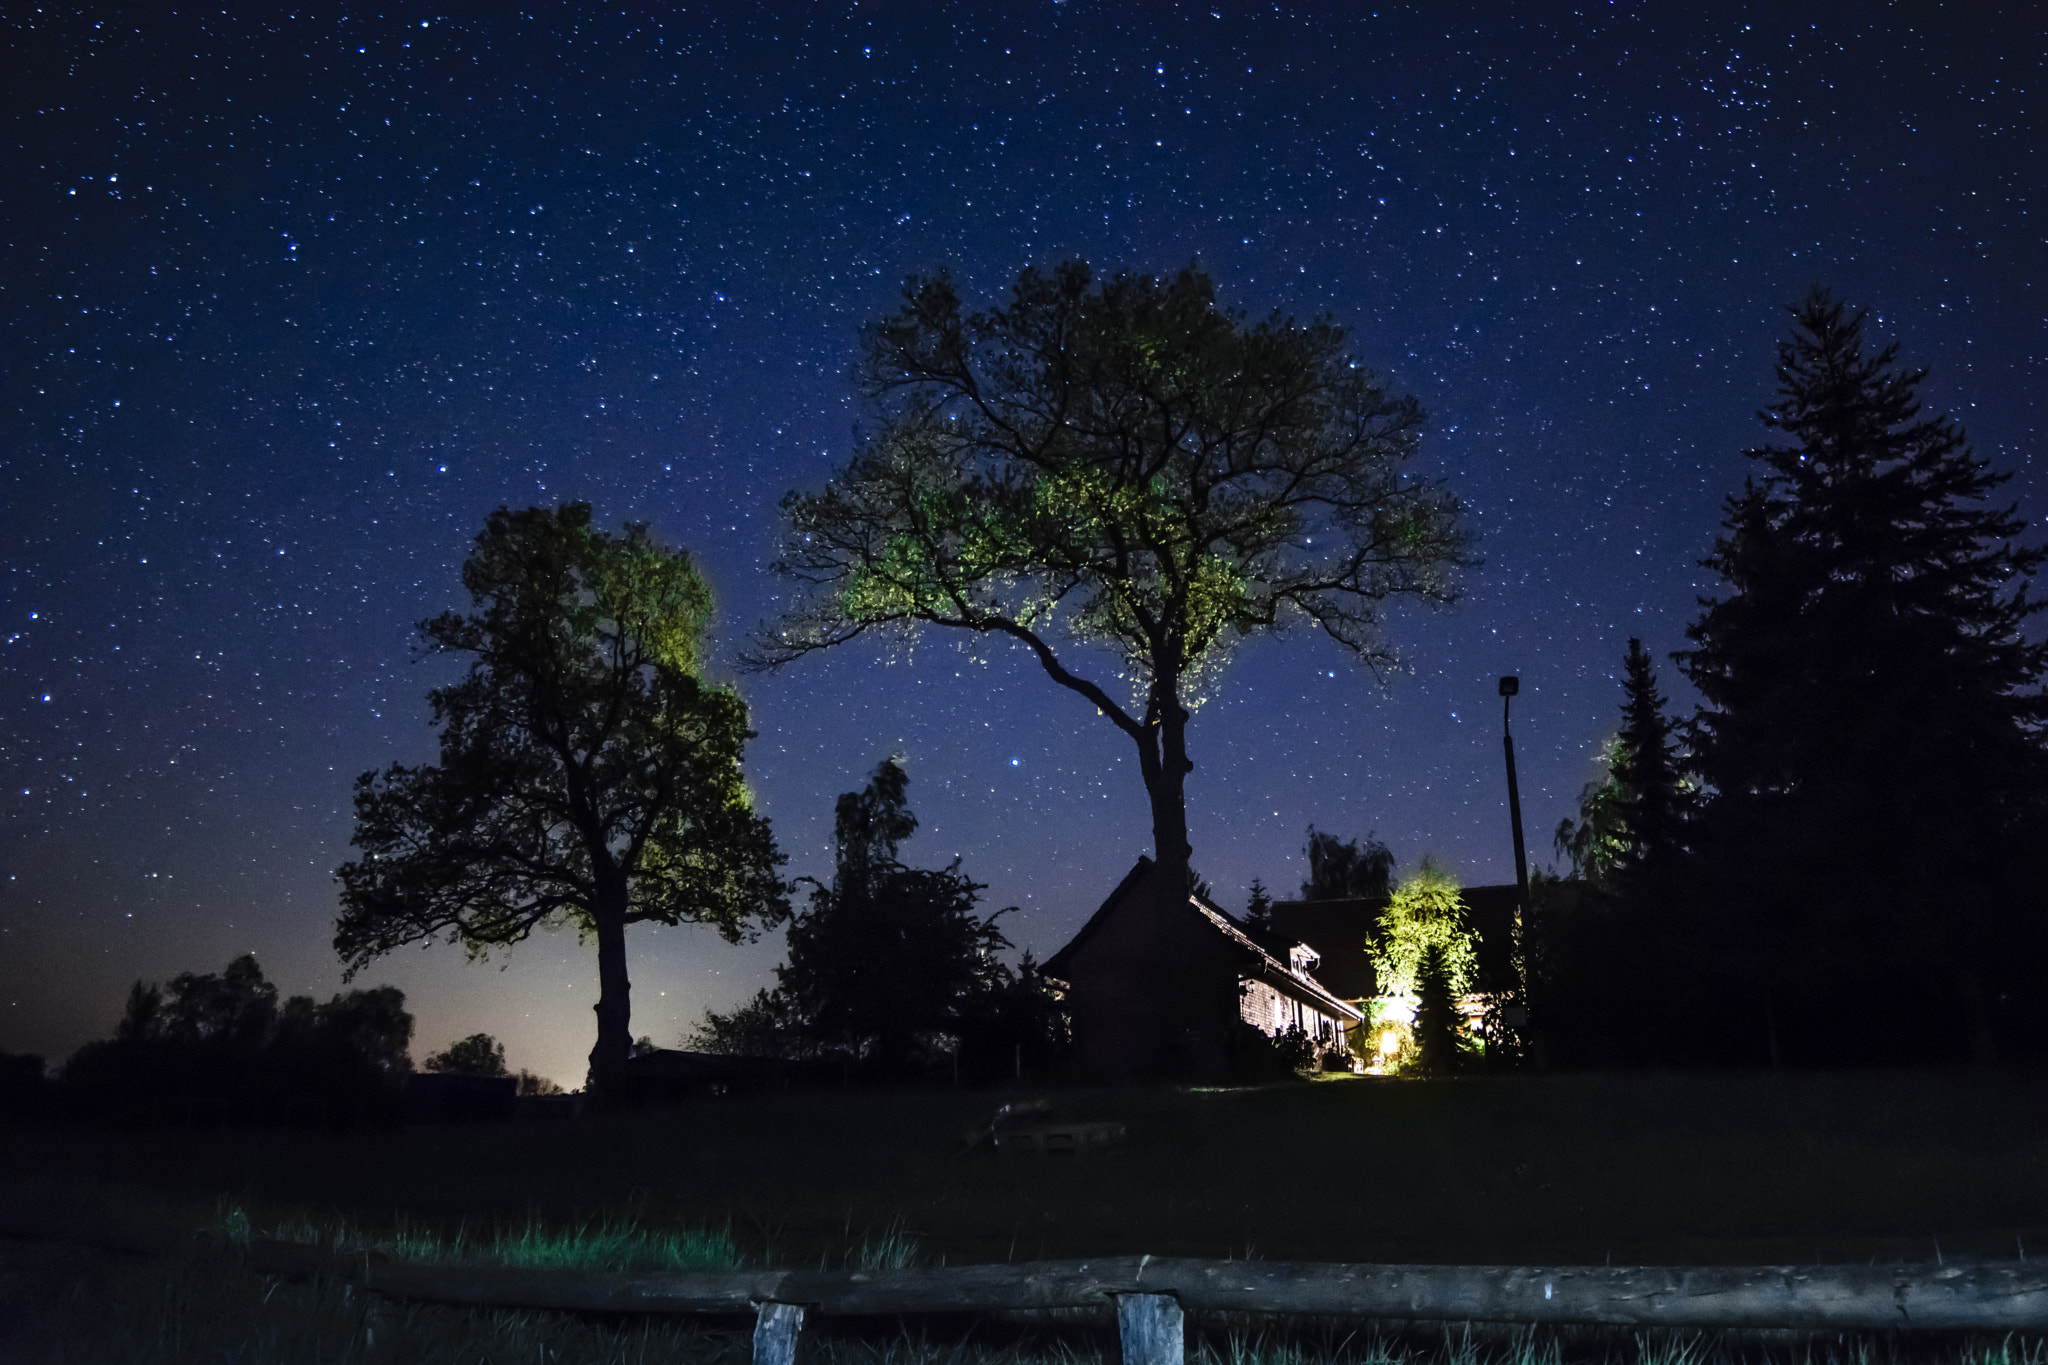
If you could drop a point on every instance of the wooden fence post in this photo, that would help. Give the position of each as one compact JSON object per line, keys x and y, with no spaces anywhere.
{"x":1150,"y":1325}
{"x":775,"y":1331}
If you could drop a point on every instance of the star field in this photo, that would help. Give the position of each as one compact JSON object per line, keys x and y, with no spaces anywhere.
{"x":290,"y":301}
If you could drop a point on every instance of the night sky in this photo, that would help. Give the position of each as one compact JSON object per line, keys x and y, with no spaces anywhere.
{"x":289,"y":303}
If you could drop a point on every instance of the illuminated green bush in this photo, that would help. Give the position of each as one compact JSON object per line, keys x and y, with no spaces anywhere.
{"x":1427,"y":910}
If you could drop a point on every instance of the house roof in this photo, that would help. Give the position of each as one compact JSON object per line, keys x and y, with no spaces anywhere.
{"x":1256,"y":959}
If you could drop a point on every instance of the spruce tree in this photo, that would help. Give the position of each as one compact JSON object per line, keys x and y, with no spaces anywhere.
{"x":1652,"y":791}
{"x":1440,"y":1046}
{"x":1629,"y":819}
{"x":1258,"y":911}
{"x":1874,"y":712}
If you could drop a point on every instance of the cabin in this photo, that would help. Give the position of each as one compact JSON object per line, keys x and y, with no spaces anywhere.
{"x":1154,"y":982}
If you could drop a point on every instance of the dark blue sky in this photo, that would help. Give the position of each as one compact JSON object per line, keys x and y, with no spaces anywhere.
{"x":291,"y":301}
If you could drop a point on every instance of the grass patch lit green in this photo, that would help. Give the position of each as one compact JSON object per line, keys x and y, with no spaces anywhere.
{"x":601,"y":1244}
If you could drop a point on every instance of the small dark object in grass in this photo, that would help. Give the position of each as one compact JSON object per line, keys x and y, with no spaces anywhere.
{"x":1009,"y":1113}
{"x":1048,"y":1138}
{"x":1073,"y":1135}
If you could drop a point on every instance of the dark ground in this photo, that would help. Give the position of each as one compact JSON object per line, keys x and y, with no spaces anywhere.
{"x":1680,"y":1169}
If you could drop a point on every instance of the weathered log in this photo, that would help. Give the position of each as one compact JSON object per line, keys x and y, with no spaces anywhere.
{"x":1988,"y":1296}
{"x":2003,"y":1296}
{"x":975,"y":1288}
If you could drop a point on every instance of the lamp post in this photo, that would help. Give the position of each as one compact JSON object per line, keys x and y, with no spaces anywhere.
{"x":1509,"y":686}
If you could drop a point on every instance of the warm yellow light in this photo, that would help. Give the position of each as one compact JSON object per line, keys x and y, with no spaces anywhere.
{"x":1390,"y":1043}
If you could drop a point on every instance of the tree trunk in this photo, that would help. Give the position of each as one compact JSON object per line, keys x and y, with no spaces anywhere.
{"x":1190,"y":1040}
{"x":1165,"y":768}
{"x":614,"y":992}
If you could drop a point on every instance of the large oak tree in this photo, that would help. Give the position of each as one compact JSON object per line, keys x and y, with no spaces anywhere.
{"x":1122,"y":479}
{"x":587,"y":774}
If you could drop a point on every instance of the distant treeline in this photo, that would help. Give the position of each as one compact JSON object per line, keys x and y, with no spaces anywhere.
{"x":210,"y":1048}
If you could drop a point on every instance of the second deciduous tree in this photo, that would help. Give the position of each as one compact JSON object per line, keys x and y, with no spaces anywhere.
{"x":588,"y":775}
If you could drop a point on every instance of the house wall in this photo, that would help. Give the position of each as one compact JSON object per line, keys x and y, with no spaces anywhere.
{"x":1273,"y":1011}
{"x":1150,"y":991}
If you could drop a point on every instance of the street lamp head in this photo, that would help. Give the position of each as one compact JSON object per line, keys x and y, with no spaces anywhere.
{"x":1510,"y":685}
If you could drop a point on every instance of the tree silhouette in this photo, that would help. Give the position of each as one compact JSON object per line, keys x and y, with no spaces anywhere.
{"x":1874,"y":713}
{"x":371,"y":1024}
{"x":1652,"y":784}
{"x":477,"y":1055}
{"x":1258,"y":908}
{"x":889,"y":966}
{"x":1340,"y":868}
{"x":235,"y":1007}
{"x":1593,"y":843}
{"x":1127,"y":466}
{"x":220,"y":1044}
{"x":587,"y":775}
{"x":1630,"y":818}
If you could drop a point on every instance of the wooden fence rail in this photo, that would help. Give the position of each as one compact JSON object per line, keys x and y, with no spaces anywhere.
{"x":1151,"y":1293}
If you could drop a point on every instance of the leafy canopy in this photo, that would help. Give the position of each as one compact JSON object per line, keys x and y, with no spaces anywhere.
{"x":890,"y":966}
{"x":477,"y":1055}
{"x":583,"y":764}
{"x":1339,"y":868}
{"x":1427,"y":913}
{"x":587,"y":775}
{"x":1126,"y":464}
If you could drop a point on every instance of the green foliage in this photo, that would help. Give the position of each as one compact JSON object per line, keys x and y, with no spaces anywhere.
{"x":606,"y":1243}
{"x":587,"y":775}
{"x":477,"y":1055}
{"x":1595,"y":842}
{"x":1426,"y":912}
{"x":1340,"y":868}
{"x":1442,"y":1047}
{"x":1126,"y":464}
{"x":603,"y":1245}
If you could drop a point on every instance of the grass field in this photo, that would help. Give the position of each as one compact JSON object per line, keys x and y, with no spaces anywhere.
{"x":1680,"y":1169}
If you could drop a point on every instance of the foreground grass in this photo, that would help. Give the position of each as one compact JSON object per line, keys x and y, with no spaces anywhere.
{"x":98,"y":1261}
{"x":606,"y":1244}
{"x":1649,"y":1169}
{"x":66,"y":1306}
